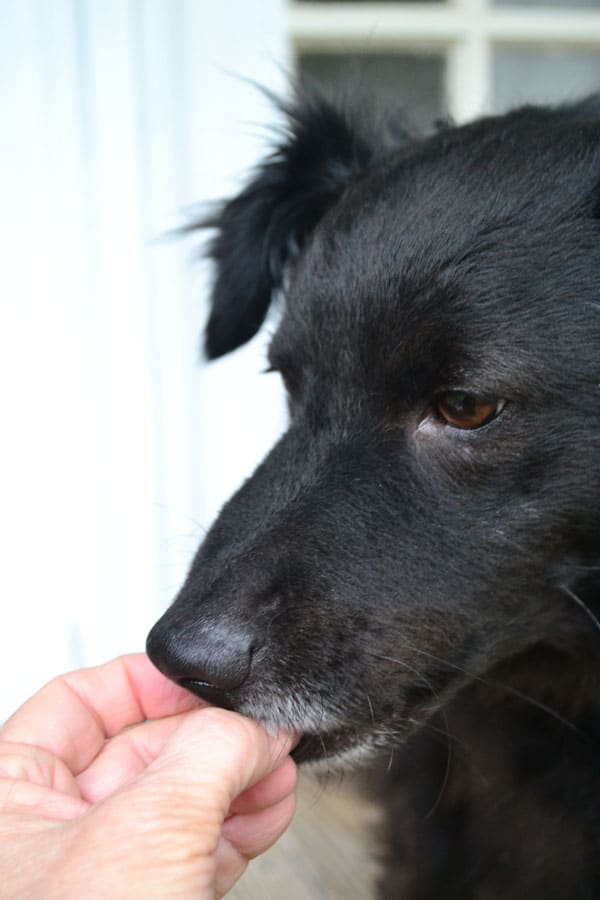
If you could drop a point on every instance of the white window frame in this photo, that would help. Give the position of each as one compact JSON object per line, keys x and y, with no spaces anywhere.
{"x":468,"y":31}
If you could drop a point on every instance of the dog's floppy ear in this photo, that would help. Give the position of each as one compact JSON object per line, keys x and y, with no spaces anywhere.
{"x":266,"y":224}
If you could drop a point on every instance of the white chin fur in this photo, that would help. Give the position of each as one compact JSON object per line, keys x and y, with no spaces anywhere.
{"x":351,"y":758}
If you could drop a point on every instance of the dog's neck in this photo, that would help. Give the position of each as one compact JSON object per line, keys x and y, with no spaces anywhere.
{"x":504,"y":785}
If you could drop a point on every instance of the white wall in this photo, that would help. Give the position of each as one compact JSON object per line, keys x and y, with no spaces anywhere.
{"x":117,"y":446}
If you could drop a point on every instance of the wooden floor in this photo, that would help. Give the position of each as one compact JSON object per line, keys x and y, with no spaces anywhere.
{"x":326,"y":854}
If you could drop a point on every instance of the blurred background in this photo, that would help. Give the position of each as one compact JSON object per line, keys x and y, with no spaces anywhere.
{"x":118,"y":444}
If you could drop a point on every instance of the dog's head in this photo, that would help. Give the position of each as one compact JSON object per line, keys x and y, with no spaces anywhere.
{"x":434,"y":507}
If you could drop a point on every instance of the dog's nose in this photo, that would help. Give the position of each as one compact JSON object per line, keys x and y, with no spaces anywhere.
{"x":209,"y":665}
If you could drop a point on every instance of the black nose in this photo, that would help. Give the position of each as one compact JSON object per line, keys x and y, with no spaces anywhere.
{"x":210,"y":663}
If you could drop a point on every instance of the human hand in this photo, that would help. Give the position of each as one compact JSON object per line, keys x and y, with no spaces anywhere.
{"x":173,"y":807}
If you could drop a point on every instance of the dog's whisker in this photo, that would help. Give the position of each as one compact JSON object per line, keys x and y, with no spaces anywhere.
{"x":405,"y":665}
{"x":581,"y":604}
{"x":322,"y":784}
{"x":441,"y":732}
{"x":371,"y":710}
{"x":390,"y":762}
{"x":445,"y":731}
{"x":322,"y":703}
{"x":201,"y":529}
{"x":445,"y":781}
{"x":325,"y":754}
{"x":495,"y":683}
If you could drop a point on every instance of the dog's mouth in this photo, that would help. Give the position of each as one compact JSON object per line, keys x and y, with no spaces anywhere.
{"x":330,"y":741}
{"x":302,"y":751}
{"x":335,"y":748}
{"x":309,"y":746}
{"x":209,"y":692}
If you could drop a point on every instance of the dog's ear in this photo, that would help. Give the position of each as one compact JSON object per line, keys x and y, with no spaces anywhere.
{"x":261,"y":229}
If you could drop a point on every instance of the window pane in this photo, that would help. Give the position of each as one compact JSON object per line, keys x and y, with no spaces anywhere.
{"x":543,"y":76}
{"x":411,"y":82}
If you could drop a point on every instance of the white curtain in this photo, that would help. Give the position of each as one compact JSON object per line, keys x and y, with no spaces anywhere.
{"x":117,"y":445}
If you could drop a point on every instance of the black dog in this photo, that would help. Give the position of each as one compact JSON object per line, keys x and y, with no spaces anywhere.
{"x":416,"y":564}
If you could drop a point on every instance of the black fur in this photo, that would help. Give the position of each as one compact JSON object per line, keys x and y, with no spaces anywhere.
{"x":262,"y":229}
{"x":388,"y":581}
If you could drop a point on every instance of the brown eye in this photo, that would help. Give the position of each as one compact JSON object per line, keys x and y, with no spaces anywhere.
{"x":462,"y":410}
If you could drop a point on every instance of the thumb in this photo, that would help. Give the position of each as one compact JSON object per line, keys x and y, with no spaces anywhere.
{"x":167,"y":821}
{"x":212,"y":757}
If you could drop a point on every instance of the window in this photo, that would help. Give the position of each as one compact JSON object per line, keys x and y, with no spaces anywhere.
{"x":460,"y":58}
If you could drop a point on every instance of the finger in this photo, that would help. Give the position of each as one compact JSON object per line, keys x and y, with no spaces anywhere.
{"x":245,"y":837}
{"x":129,"y":753}
{"x":125,"y":756}
{"x":212,"y":757}
{"x":73,"y":715}
{"x":179,"y":802}
{"x":34,"y":799}
{"x":223,"y":750}
{"x":230,"y":865}
{"x":254,"y":833}
{"x":269,"y":791}
{"x":23,"y":762}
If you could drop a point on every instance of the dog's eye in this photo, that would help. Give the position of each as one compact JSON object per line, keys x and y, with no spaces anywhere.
{"x":462,"y":410}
